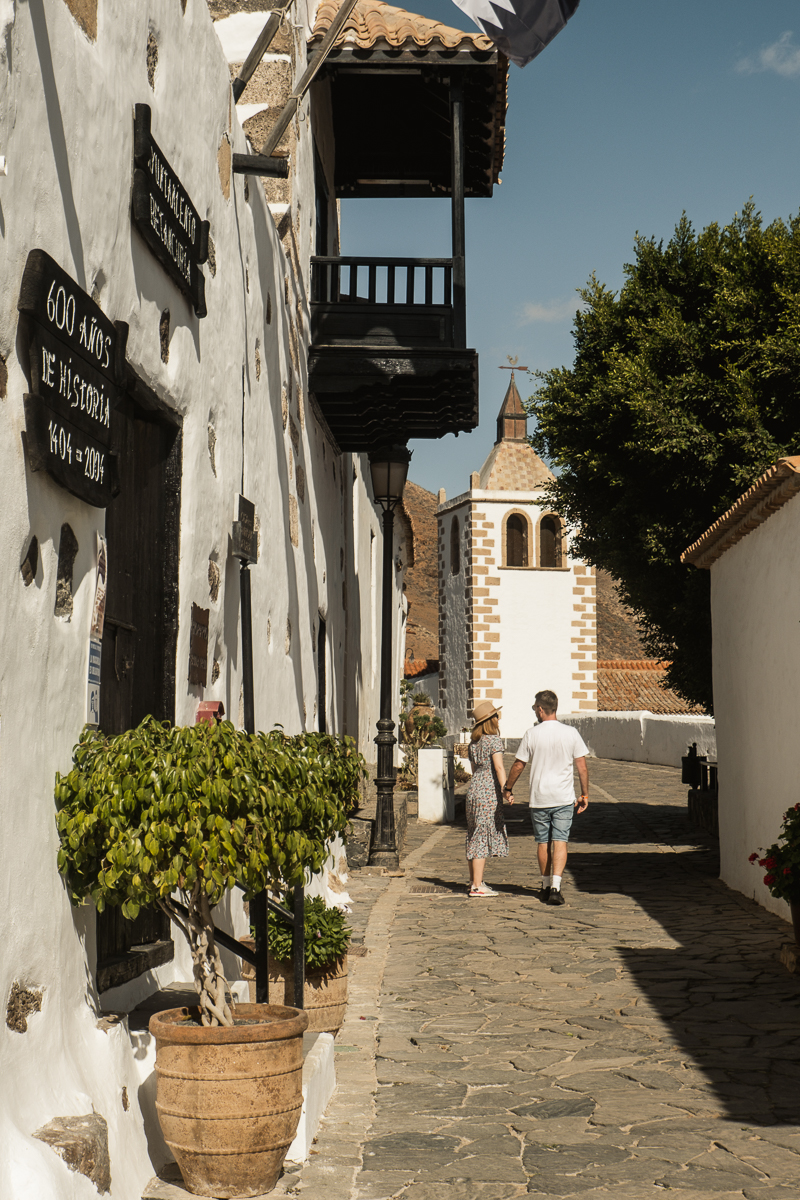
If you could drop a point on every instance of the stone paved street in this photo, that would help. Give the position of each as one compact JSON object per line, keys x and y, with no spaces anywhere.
{"x":641,"y":1039}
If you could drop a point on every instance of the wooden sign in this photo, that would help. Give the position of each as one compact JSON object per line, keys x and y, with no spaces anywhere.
{"x":198,"y":646}
{"x":77,"y":362}
{"x":244,"y":540}
{"x":165,"y":216}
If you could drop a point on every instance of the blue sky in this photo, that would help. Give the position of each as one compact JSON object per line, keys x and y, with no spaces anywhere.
{"x":635,"y":112}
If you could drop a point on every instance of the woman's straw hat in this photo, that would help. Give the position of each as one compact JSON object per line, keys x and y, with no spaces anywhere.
{"x":482,"y":711}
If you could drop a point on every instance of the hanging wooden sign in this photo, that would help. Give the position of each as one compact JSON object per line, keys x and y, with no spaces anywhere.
{"x":244,"y":539}
{"x":165,"y":216}
{"x":198,"y":646}
{"x":76,"y":358}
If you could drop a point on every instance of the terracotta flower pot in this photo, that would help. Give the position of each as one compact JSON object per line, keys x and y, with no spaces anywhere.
{"x":229,"y":1097}
{"x":324,"y":994}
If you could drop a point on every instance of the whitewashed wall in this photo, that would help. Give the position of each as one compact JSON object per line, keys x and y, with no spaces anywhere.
{"x":756,"y":668}
{"x":453,"y":634}
{"x":66,"y":127}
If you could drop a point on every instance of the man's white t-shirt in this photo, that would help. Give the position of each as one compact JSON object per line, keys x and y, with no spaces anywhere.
{"x":553,"y":747}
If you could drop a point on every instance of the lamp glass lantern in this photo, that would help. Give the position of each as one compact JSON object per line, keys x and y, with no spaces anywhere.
{"x":389,"y":468}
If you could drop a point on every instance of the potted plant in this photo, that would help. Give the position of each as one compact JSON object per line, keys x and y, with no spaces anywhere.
{"x":782,"y":863}
{"x":327,"y":937}
{"x":419,"y":727}
{"x":195,"y":811}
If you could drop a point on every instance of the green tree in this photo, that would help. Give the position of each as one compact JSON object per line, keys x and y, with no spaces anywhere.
{"x":685,"y":387}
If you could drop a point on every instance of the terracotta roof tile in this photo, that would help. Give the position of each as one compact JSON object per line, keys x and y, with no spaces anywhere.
{"x":769,"y":493}
{"x":513,"y":467}
{"x":372,"y":21}
{"x":413,"y":667}
{"x":632,"y":685}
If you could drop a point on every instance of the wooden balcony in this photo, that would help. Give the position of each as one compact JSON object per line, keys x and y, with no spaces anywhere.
{"x":388,"y":357}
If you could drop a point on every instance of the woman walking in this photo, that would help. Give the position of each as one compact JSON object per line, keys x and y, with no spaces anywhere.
{"x":486,"y":831}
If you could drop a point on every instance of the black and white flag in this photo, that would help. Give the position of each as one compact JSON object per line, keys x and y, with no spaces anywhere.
{"x":520,"y":28}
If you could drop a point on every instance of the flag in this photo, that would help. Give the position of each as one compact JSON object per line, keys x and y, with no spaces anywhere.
{"x":520,"y":28}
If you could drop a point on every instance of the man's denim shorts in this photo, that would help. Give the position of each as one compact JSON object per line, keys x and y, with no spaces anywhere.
{"x":552,"y":824}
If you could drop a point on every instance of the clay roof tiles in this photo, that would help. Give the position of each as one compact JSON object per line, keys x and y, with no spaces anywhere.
{"x":769,"y":493}
{"x":372,"y":22}
{"x":633,"y":685}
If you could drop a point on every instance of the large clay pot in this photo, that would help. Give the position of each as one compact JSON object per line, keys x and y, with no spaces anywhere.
{"x":324,"y":994}
{"x":229,"y":1097}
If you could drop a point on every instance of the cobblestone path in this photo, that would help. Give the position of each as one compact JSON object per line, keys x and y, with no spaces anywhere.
{"x":643,"y":1038}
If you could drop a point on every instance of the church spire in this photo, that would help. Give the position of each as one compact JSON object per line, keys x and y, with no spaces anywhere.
{"x":512,"y":420}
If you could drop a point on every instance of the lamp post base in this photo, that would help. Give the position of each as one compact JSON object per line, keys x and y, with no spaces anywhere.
{"x":385,"y":858}
{"x":384,"y":849}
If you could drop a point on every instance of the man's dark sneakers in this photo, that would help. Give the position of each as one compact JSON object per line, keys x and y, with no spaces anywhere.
{"x":544,"y":894}
{"x":555,"y":896}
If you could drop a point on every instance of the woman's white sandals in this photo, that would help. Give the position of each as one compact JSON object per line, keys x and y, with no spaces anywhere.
{"x":482,"y":890}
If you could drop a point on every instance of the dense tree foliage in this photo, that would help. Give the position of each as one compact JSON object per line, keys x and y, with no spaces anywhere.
{"x":685,"y":387}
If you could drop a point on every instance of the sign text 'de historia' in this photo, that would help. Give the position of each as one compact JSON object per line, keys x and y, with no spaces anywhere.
{"x":76,"y":359}
{"x":165,"y":216}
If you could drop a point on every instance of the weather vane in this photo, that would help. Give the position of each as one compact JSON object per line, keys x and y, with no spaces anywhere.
{"x":513,"y":365}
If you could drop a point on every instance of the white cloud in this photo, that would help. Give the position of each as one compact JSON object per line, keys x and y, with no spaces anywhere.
{"x":550,"y":311}
{"x":782,"y":57}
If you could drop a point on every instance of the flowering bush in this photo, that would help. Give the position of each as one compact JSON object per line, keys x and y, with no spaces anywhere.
{"x":781,"y":860}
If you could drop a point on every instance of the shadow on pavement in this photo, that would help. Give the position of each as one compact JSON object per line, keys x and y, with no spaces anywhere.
{"x":720,"y":988}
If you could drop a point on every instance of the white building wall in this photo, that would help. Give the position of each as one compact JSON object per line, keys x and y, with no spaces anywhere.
{"x":756,"y":668}
{"x":66,"y":127}
{"x":454,"y":619}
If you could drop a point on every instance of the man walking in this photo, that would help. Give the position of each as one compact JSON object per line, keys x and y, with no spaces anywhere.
{"x":552,"y":749}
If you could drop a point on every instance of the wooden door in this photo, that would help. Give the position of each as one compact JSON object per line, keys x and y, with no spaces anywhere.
{"x":137,"y":674}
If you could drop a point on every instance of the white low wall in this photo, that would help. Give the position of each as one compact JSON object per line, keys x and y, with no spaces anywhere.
{"x":644,"y":736}
{"x":435,"y":799}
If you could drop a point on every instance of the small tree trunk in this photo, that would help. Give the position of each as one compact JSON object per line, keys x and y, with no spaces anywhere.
{"x":209,"y":977}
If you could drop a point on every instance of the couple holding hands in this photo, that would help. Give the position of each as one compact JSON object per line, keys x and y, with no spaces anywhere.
{"x":552,"y":749}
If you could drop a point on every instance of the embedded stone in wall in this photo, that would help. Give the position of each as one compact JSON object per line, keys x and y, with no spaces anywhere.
{"x":225,"y":165}
{"x":213,"y":580}
{"x":294,"y":434}
{"x":85,"y":13}
{"x":31,"y":562}
{"x":294,"y":527}
{"x":67,"y":551}
{"x":3,"y":378}
{"x":21,"y":1003}
{"x":301,"y":487}
{"x":82,"y":1142}
{"x":152,"y":59}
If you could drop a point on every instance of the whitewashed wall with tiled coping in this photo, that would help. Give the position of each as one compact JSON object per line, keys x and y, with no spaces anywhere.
{"x":756,"y":644}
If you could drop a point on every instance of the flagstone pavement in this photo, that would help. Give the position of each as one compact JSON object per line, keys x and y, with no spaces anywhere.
{"x":643,"y":1038}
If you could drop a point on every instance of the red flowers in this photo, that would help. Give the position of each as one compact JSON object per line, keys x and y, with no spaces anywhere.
{"x":787,"y":870}
{"x":752,"y":857}
{"x":768,"y":879}
{"x":770,"y":862}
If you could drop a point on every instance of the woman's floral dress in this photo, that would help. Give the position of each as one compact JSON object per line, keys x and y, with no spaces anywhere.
{"x":486,"y":831}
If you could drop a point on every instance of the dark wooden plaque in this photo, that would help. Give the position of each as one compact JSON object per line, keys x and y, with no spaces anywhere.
{"x":75,"y":459}
{"x":165,"y":216}
{"x":76,"y":358}
{"x":198,"y":646}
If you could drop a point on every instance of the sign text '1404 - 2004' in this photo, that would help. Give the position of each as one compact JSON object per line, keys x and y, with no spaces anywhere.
{"x":93,"y":460}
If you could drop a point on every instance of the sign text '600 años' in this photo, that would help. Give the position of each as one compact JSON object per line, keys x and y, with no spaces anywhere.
{"x":76,"y":358}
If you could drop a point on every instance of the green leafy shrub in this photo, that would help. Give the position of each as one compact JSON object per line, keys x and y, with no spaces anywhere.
{"x":327,"y":934}
{"x":782,"y":859}
{"x":198,"y":810}
{"x":419,"y":727}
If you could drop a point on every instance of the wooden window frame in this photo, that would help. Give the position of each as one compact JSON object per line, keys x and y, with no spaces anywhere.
{"x":516,"y":512}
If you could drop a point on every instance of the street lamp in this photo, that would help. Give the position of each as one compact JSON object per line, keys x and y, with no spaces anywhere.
{"x":388,"y":468}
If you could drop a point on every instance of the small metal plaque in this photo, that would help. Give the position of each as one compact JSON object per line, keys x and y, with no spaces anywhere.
{"x":244,"y":539}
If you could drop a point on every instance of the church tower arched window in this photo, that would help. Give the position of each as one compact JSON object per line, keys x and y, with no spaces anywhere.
{"x":516,"y":541}
{"x":550,"y":542}
{"x":455,"y":547}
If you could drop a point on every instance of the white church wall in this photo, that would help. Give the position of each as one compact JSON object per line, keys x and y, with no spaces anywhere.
{"x":643,"y":736}
{"x":756,"y":667}
{"x":66,"y":122}
{"x":535,"y":641}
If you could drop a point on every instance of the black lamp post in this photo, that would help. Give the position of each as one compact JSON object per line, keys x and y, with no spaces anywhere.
{"x":388,"y":468}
